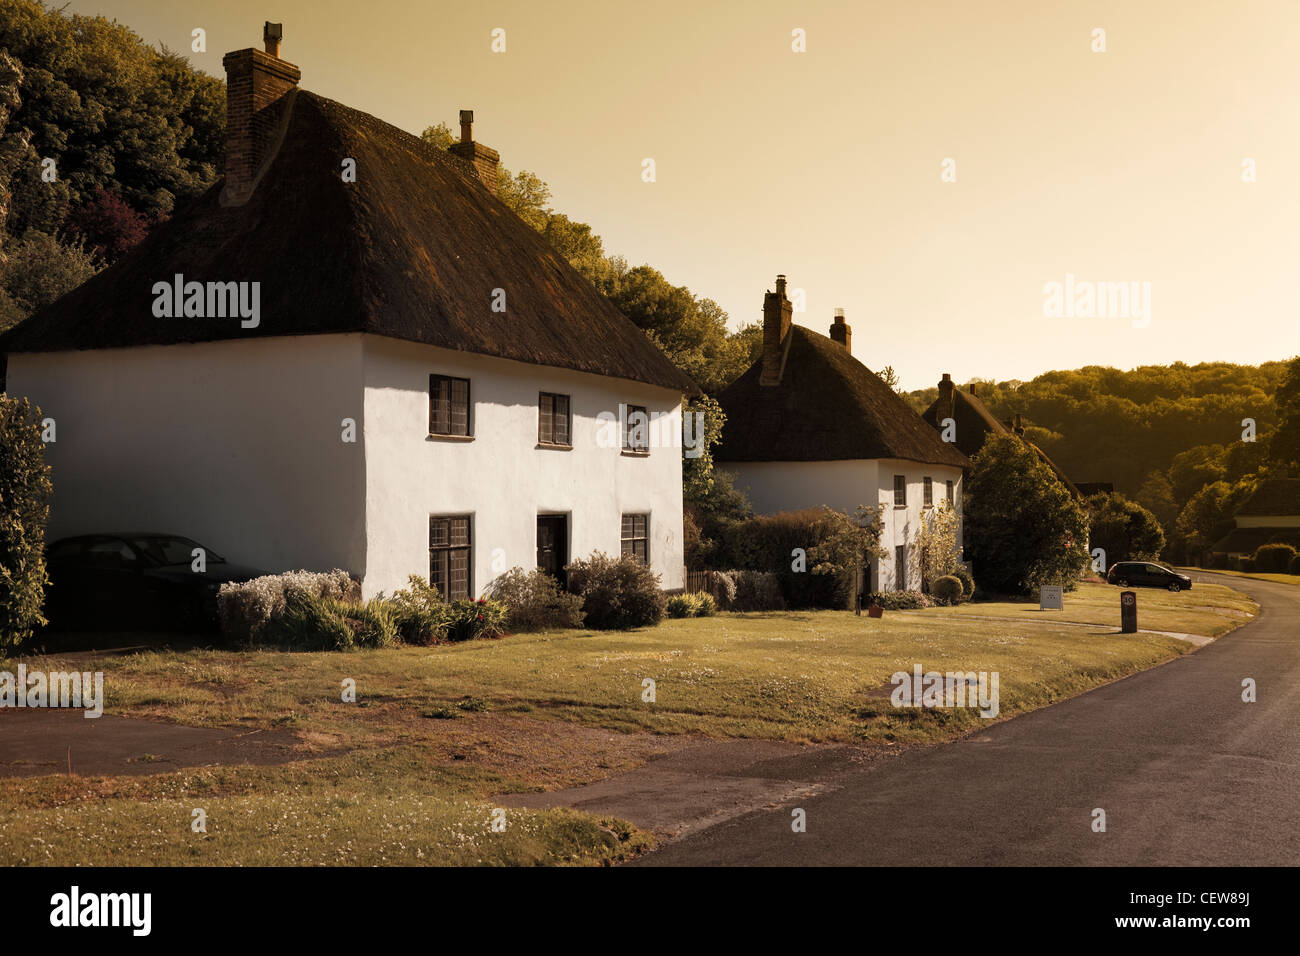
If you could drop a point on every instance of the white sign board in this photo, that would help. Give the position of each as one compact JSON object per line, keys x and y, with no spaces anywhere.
{"x":1051,"y":599}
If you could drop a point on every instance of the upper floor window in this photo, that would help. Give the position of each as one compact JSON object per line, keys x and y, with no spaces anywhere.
{"x":636,"y":429}
{"x":927,"y":493}
{"x":449,"y":406}
{"x":948,"y":485}
{"x":554,"y":425}
{"x":900,"y":491}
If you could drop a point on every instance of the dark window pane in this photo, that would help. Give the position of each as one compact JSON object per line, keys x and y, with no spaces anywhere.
{"x":546,"y":420}
{"x":636,"y":428}
{"x":450,"y":556}
{"x":439,"y":532}
{"x":448,"y":405}
{"x":562,"y":419}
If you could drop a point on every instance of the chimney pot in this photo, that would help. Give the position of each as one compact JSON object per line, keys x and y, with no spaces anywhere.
{"x":780,"y":285}
{"x":467,"y":126}
{"x":947,"y":377}
{"x":842,"y":332}
{"x":272,"y":33}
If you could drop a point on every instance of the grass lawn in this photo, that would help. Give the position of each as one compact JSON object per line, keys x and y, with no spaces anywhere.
{"x":405,"y":774}
{"x":1291,"y":579}
{"x":1208,"y":610}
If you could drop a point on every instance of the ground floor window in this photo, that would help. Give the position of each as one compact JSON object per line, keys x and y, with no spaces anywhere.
{"x":900,"y":568}
{"x":449,"y":556}
{"x":636,"y":537}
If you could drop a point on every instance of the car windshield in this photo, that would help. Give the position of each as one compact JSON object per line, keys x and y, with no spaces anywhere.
{"x":162,"y":550}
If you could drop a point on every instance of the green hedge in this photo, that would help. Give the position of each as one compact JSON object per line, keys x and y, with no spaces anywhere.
{"x":24,"y":508}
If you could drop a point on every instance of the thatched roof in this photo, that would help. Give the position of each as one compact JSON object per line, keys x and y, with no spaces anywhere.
{"x":828,"y":407}
{"x":975,"y":423}
{"x":412,"y":250}
{"x":1274,"y":496}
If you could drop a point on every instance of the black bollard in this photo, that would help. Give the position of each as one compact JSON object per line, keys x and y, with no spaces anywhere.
{"x":1128,"y":612}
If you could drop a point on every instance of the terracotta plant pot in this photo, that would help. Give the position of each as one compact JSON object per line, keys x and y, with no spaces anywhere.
{"x":875,"y":611}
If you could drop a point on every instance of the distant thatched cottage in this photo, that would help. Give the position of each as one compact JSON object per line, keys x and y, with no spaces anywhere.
{"x":808,"y":425}
{"x":962,"y":418}
{"x":1270,"y":515}
{"x":349,"y":352}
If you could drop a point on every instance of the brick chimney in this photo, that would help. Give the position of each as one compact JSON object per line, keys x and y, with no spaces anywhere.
{"x":257,"y":84}
{"x":947,"y":398}
{"x":484,"y":159}
{"x":778,"y":314}
{"x":842,"y":333}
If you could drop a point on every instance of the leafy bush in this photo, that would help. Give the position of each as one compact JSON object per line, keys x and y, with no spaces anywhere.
{"x":697,"y":604}
{"x":900,"y":600}
{"x":947,"y":589}
{"x":246,"y":607}
{"x":967,"y":581}
{"x":24,"y":506}
{"x":826,"y":546}
{"x":472,"y":619}
{"x":722,"y":587}
{"x":535,"y":601}
{"x":682,"y":605}
{"x":1295,"y":565}
{"x":757,"y":591}
{"x":419,"y":612}
{"x":307,"y":622}
{"x":373,"y":624}
{"x":1274,"y":557}
{"x":617,"y":593}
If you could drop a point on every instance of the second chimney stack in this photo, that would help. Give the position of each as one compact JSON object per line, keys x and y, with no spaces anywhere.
{"x":484,"y":159}
{"x":842,"y":332}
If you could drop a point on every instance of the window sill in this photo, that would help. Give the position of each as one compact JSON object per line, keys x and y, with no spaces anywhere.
{"x":433,"y":437}
{"x":900,"y":507}
{"x":551,"y":446}
{"x":635,"y":453}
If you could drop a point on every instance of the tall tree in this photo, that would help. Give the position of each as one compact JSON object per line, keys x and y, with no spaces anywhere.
{"x":1022,"y":527}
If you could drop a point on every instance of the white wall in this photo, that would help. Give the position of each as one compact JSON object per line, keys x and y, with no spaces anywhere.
{"x":502,"y":478}
{"x":234,"y":444}
{"x":774,"y":486}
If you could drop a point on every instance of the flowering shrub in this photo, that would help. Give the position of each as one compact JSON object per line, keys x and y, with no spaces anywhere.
{"x":421,"y":615}
{"x":245,"y":608}
{"x":471,"y":619}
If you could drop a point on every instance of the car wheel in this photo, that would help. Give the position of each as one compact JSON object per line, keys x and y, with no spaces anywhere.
{"x":1175,"y":586}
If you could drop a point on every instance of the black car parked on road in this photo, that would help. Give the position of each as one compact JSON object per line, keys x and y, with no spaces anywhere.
{"x":109,"y":581}
{"x":1145,"y":574}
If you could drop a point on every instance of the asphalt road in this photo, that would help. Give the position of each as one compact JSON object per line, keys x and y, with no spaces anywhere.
{"x":1186,"y":772}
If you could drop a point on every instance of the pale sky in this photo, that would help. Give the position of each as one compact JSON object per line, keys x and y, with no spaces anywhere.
{"x":1122,"y":166}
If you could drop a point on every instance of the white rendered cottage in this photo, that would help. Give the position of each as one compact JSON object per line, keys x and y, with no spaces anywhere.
{"x":349,"y":353}
{"x":809,"y":425}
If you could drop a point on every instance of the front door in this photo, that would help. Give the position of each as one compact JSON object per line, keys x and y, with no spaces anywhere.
{"x":553,"y":545}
